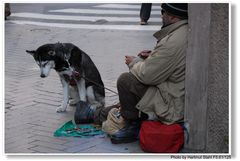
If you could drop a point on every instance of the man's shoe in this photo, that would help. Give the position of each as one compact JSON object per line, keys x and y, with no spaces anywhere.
{"x":127,"y":134}
{"x":83,"y":113}
{"x":143,"y":22}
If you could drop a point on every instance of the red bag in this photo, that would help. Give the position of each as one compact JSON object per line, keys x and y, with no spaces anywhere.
{"x":160,"y":138}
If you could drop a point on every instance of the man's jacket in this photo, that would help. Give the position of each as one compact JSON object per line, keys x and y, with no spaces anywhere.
{"x":164,"y":72}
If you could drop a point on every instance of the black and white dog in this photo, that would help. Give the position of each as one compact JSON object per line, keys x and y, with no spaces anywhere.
{"x":72,"y":65}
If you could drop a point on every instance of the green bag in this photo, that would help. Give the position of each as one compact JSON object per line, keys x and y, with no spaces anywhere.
{"x":70,"y":129}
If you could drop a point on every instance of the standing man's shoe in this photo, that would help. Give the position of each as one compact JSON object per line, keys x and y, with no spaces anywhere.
{"x":127,"y":134}
{"x":143,"y":22}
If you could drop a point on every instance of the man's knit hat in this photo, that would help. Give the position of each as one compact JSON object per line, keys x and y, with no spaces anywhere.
{"x":177,"y":9}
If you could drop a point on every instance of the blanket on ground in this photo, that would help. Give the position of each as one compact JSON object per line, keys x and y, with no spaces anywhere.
{"x":70,"y":129}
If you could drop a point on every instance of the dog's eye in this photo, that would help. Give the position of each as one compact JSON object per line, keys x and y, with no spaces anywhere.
{"x":52,"y":53}
{"x":42,"y":64}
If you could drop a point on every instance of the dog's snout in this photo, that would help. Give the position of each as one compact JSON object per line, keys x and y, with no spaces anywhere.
{"x":42,"y":75}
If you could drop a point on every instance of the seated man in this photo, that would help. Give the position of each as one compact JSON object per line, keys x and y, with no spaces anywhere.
{"x":154,"y":88}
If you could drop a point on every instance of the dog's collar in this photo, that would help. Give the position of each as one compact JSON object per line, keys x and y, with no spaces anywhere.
{"x":75,"y":74}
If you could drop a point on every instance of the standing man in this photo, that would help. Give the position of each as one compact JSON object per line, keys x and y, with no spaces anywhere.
{"x":145,"y":13}
{"x":154,"y":88}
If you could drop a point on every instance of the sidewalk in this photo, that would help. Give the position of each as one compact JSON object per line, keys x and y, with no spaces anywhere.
{"x":31,"y":101}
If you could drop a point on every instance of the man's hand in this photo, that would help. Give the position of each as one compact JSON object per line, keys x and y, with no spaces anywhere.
{"x":144,"y":54}
{"x":129,"y":59}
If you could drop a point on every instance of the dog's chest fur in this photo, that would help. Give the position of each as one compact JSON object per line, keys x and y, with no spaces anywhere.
{"x":70,"y":75}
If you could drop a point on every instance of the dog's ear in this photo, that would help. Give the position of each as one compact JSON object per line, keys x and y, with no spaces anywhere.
{"x":32,"y":52}
{"x":51,"y":53}
{"x":68,"y":50}
{"x":62,"y":51}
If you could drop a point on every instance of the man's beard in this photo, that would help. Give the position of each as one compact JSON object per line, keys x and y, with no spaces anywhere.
{"x":165,"y":25}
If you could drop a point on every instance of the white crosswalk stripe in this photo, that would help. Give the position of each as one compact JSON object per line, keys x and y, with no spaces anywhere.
{"x":79,"y":18}
{"x":98,"y":11}
{"x":102,"y":16}
{"x":95,"y":27}
{"x":126,"y":6}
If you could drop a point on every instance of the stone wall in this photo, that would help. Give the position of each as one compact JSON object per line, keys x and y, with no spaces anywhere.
{"x":218,"y":89}
{"x":207,"y":76}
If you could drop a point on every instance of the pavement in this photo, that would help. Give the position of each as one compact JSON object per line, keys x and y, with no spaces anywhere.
{"x":31,"y":101}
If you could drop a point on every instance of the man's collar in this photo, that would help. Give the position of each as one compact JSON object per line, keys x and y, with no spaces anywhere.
{"x":168,"y":29}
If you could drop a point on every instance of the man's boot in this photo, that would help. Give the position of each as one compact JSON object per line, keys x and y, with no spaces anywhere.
{"x":127,"y":134}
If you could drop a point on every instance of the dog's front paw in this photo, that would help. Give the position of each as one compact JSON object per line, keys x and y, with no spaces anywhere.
{"x":61,"y":109}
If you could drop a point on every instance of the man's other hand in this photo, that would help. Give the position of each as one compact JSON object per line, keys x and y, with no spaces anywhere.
{"x":144,"y":54}
{"x":129,"y":59}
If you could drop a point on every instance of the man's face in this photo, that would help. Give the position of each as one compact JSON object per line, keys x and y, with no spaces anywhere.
{"x":166,"y":19}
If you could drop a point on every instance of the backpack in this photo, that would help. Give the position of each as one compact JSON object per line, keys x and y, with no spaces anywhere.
{"x":114,"y":122}
{"x":157,"y":137}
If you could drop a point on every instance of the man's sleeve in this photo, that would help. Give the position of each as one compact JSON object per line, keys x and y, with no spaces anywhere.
{"x":157,"y":67}
{"x":136,"y":60}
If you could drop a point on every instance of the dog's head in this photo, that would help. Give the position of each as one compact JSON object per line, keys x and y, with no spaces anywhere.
{"x":44,"y":57}
{"x":50,"y":56}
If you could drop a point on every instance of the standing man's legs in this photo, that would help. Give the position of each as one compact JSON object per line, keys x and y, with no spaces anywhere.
{"x":145,"y":12}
